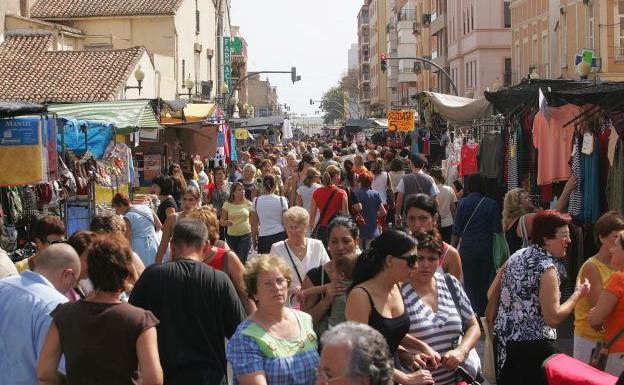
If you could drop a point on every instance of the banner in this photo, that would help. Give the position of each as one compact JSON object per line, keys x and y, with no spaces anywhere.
{"x":401,"y":121}
{"x":227,"y":62}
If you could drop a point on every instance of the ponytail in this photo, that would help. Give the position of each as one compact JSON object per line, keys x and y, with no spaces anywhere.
{"x":329,"y":174}
{"x":326,"y":179}
{"x":268,"y":182}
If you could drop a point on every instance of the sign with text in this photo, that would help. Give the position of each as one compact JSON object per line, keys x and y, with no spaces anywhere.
{"x":227,"y":62}
{"x":400,"y":121}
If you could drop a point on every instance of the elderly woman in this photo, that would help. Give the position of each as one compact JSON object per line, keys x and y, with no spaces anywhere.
{"x":530,"y":307}
{"x":440,"y":312}
{"x":275,"y":345}
{"x":190,"y":200}
{"x":249,"y":181}
{"x":298,"y":251}
{"x":375,"y":297}
{"x":597,"y":270}
{"x":421,"y":212}
{"x":142,"y":223}
{"x":103,"y":339}
{"x":608,"y":315}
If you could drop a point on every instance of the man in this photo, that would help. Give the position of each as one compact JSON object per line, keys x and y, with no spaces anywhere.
{"x":48,"y":230}
{"x":415,"y":183}
{"x":328,"y":159}
{"x":26,"y":302}
{"x":202,"y":177}
{"x":354,"y":353}
{"x":197,"y":306}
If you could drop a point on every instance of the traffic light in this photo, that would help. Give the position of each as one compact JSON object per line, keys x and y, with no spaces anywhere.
{"x":384,"y":62}
{"x":293,"y":75}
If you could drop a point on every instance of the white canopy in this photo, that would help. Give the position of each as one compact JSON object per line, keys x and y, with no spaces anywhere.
{"x":456,"y":109}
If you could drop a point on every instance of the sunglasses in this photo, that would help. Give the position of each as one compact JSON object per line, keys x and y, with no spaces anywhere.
{"x":411,"y":259}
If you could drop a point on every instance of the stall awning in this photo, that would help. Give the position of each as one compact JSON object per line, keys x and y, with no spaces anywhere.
{"x":456,"y":109}
{"x":127,"y":115}
{"x":193,"y":112}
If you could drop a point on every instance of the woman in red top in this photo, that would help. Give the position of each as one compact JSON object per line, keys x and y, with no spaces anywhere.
{"x":220,"y":257}
{"x":330,"y":200}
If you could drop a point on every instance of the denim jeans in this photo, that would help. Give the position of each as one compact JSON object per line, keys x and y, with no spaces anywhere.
{"x":240,"y":244}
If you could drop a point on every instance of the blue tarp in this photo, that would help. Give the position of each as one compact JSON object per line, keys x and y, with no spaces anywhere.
{"x":99,"y":135}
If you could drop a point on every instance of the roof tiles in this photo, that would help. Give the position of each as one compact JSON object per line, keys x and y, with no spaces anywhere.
{"x":68,"y":9}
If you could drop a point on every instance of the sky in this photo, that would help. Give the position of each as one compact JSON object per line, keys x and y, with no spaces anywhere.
{"x":313,"y":35}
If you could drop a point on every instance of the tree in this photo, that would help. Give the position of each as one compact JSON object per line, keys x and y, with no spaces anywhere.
{"x":349,"y":85}
{"x":333,"y":105}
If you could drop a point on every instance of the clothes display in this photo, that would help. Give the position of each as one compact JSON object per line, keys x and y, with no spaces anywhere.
{"x":468,"y":161}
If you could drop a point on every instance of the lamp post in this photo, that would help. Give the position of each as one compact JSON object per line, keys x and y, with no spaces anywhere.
{"x":189,"y":84}
{"x":139,"y":76}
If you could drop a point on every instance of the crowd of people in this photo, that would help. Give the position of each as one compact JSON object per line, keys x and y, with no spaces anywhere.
{"x":303,"y":264}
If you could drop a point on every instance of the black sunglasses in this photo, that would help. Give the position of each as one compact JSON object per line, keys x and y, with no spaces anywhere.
{"x":411,"y":259}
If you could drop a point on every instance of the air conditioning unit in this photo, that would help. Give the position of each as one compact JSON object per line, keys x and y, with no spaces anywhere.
{"x":416,"y":29}
{"x":206,"y":89}
{"x":426,"y":19}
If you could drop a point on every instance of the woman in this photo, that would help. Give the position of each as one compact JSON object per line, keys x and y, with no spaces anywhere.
{"x":142,"y":223}
{"x":179,"y":183}
{"x":396,"y":172}
{"x":372,"y":209}
{"x":422,"y":218}
{"x":103,"y":339}
{"x":358,"y":164}
{"x":275,"y":345}
{"x":330,"y":200}
{"x":597,"y":270}
{"x":305,"y":191}
{"x":296,"y":180}
{"x":349,"y":178}
{"x":219,"y":194}
{"x":608,"y":315}
{"x":80,"y":241}
{"x":266,"y":168}
{"x":343,"y":242}
{"x":235,"y":217}
{"x":220,"y":258}
{"x":530,"y":291}
{"x":267,"y":226}
{"x":190,"y":200}
{"x":163,"y":187}
{"x":450,"y":329}
{"x":519,"y":211}
{"x":477,"y":219}
{"x":382,"y":181}
{"x":375,"y":296}
{"x":447,"y":204}
{"x":298,"y":251}
{"x":249,"y":181}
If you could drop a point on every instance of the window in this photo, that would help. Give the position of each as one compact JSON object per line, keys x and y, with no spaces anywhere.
{"x":534,"y":51}
{"x":507,"y":13}
{"x":472,"y":18}
{"x":466,"y":75}
{"x":545,"y":58}
{"x":507,"y":74}
{"x":564,"y":41}
{"x":619,"y":53}
{"x":590,"y":26}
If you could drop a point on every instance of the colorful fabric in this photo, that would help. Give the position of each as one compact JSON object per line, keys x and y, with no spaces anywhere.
{"x":615,"y":320}
{"x":468,"y":160}
{"x":283,"y":362}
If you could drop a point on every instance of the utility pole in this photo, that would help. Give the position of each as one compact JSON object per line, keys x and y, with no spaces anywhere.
{"x":384,"y":58}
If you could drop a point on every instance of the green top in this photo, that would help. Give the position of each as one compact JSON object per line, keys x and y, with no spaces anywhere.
{"x":273,"y":347}
{"x":239,"y":215}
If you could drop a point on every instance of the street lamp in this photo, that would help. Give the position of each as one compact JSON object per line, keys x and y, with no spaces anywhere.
{"x":534,"y":75}
{"x":250,"y":112}
{"x":139,"y":76}
{"x":497,"y":85}
{"x":189,"y":84}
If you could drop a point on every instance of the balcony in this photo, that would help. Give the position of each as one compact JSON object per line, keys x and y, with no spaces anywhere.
{"x":438,"y":23}
{"x":365,"y":96}
{"x":619,"y":53}
{"x":407,"y":15}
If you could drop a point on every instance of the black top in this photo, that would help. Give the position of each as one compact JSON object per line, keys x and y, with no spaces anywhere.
{"x":161,"y":212}
{"x":198,"y":308}
{"x":393,"y":329}
{"x":316,"y":276}
{"x":248,"y":189}
{"x":513,"y":240}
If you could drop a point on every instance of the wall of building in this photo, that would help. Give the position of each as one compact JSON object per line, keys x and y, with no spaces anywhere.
{"x":64,"y":40}
{"x":149,"y":84}
{"x":7,"y":7}
{"x":378,"y":13}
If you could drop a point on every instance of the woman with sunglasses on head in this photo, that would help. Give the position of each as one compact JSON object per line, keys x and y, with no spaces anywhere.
{"x":191,"y":200}
{"x":451,"y":330}
{"x":375,"y":295}
{"x":422,"y":217}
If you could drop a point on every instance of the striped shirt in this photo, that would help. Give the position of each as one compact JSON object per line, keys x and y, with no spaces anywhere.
{"x":438,"y":330}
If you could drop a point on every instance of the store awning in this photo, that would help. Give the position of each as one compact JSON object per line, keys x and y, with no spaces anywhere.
{"x":193,"y":112}
{"x":9,"y":109}
{"x":456,"y":109}
{"x":127,"y":115}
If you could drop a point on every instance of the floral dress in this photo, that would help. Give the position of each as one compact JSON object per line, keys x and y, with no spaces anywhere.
{"x":219,"y":197}
{"x":519,"y":314}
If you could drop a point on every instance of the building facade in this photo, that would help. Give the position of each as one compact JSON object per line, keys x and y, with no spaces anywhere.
{"x":548,"y":36}
{"x":352,"y":57}
{"x":262,"y":96}
{"x":239,"y":67}
{"x":378,"y":13}
{"x":479,"y":43}
{"x":364,"y":61}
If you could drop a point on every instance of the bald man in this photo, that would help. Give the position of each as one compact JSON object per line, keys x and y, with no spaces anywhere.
{"x":26,"y":302}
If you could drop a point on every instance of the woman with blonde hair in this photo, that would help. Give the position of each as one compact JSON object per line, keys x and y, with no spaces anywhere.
{"x":330,"y":200}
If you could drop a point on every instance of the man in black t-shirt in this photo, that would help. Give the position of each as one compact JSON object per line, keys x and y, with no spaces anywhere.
{"x":197,"y":306}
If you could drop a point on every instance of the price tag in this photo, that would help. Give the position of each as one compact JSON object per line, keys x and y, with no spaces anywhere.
{"x":588,"y":143}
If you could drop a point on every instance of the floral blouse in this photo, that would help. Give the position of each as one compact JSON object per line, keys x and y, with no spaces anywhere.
{"x":519,"y":314}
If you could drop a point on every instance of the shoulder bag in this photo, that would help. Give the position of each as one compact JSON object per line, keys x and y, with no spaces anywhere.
{"x":468,"y":222}
{"x":472,"y":362}
{"x":600,"y":353}
{"x":317,"y":229}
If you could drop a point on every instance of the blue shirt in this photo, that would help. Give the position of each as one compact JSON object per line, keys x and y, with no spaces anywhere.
{"x":25,"y":305}
{"x":370,"y":200}
{"x":484,"y":223}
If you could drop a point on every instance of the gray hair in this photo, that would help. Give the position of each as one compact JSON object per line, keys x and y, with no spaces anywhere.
{"x":251,"y":167}
{"x":190,"y":232}
{"x":369,"y":353}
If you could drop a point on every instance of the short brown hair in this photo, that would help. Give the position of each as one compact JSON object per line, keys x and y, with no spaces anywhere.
{"x":110,"y":262}
{"x":120,"y":200}
{"x":345,"y":264}
{"x":80,"y":241}
{"x":607,"y":223}
{"x":263,"y":263}
{"x":48,"y":225}
{"x":546,"y":223}
{"x":207,"y":215}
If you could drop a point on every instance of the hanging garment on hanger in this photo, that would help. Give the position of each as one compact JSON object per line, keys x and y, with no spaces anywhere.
{"x":468,"y":161}
{"x":575,"y":203}
{"x":591,"y":182}
{"x":490,"y":155}
{"x":512,"y":162}
{"x":615,"y":182}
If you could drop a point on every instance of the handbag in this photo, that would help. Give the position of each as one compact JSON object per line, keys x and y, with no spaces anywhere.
{"x":488,"y":367}
{"x":600,"y":353}
{"x":472,"y":362}
{"x":316,"y":233}
{"x":468,"y":222}
{"x":500,"y":249}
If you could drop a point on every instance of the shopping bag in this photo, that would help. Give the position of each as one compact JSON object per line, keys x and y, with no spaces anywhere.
{"x":488,"y":365}
{"x":500,"y":249}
